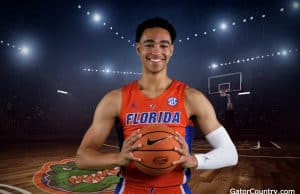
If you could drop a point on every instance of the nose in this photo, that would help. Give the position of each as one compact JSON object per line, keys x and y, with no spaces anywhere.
{"x":156,"y":49}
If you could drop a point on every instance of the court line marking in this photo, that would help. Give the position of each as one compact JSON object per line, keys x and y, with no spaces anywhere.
{"x":258,"y":146}
{"x":4,"y":192}
{"x":273,"y":157}
{"x":275,"y":144}
{"x":23,"y":191}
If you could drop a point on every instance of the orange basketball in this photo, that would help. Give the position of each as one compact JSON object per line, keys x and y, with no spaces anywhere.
{"x":157,"y":152}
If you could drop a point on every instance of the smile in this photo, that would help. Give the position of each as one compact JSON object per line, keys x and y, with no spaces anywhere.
{"x":156,"y":60}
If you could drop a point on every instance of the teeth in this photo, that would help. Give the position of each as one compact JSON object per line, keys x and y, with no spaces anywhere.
{"x":155,"y":60}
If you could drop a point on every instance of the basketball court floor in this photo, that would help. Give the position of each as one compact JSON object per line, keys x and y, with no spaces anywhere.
{"x":264,"y":166}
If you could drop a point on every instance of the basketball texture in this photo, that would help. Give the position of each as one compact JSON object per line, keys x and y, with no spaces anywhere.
{"x":157,"y":152}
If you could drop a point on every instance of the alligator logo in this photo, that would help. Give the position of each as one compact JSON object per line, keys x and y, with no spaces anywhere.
{"x":63,"y":177}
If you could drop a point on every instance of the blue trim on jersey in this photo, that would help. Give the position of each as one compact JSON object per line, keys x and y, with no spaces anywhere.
{"x":119,"y":186}
{"x":189,"y":135}
{"x":186,"y":188}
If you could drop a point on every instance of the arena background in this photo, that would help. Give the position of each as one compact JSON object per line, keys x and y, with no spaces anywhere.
{"x":58,"y":59}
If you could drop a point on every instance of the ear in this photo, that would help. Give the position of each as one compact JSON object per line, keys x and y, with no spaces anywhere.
{"x":137,"y":48}
{"x":172,"y":50}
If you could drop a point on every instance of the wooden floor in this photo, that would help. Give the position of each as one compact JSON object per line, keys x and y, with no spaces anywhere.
{"x":262,"y":165}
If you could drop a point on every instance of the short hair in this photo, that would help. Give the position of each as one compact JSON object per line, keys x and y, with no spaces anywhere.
{"x":152,"y":23}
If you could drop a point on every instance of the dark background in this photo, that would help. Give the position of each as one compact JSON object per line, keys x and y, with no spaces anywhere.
{"x":64,"y":41}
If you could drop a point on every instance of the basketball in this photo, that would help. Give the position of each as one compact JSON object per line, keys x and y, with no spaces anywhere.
{"x":157,"y":152}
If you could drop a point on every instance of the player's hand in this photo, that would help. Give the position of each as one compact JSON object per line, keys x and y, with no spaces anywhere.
{"x":125,"y":156}
{"x":186,"y":160}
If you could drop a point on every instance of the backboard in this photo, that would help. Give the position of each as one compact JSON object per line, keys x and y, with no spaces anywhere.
{"x":225,"y":83}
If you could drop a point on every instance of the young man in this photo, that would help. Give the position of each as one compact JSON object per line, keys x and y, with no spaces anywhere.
{"x":157,"y":95}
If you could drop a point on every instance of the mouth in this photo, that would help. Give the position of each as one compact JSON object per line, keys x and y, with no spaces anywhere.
{"x":93,"y":178}
{"x":155,"y":60}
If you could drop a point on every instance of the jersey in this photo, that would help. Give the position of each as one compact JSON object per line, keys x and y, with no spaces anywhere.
{"x":168,"y":109}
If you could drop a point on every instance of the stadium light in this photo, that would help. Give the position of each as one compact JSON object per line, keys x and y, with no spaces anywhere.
{"x":24,"y":51}
{"x":96,"y":17}
{"x":214,"y":66}
{"x":223,"y":26}
{"x":62,"y":92}
{"x":244,"y":93}
{"x":295,"y":5}
{"x":284,"y":52}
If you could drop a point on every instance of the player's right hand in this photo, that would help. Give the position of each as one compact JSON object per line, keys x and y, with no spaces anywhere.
{"x":125,"y":155}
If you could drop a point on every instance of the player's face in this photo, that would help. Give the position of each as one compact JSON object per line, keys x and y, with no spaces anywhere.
{"x":155,"y":49}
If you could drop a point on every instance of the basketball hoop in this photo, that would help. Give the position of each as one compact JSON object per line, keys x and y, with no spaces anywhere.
{"x":223,"y":93}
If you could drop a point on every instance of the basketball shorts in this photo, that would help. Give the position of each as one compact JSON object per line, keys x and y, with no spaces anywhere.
{"x":127,"y":188}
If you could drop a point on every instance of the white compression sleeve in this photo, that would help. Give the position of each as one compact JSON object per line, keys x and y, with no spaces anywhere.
{"x":224,"y":152}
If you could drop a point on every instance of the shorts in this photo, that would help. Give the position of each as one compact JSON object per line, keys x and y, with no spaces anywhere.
{"x":126,"y":188}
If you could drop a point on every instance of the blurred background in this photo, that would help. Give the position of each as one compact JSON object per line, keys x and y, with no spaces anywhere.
{"x":58,"y":59}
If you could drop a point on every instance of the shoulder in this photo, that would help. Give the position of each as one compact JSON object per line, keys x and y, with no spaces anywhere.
{"x":192,"y":93}
{"x":110,"y":103}
{"x":196,"y":102}
{"x":113,"y":95}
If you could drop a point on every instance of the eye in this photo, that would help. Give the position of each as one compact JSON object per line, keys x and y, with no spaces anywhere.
{"x":148,"y":45}
{"x":164,"y":45}
{"x":66,"y":169}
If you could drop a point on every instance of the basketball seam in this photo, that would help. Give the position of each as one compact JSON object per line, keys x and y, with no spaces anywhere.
{"x":154,"y":168}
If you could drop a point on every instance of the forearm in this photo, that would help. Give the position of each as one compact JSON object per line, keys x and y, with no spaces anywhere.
{"x":224,"y":152}
{"x":92,"y":159}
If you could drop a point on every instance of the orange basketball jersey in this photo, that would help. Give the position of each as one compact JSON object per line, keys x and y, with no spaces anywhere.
{"x":168,"y":109}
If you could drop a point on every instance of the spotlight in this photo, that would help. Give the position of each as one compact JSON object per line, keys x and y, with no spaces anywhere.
{"x":24,"y":50}
{"x":96,"y":17}
{"x":214,"y":66}
{"x":295,"y":5}
{"x":284,"y":52}
{"x":223,"y":26}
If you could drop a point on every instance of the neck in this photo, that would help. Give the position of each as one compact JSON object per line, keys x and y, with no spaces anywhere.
{"x":152,"y":81}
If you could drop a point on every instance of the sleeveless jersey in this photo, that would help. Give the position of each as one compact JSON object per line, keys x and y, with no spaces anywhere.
{"x":168,"y":109}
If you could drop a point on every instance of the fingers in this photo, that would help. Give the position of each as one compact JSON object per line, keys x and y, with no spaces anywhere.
{"x":180,"y":151}
{"x":184,"y":150}
{"x":132,"y":157}
{"x":133,"y":137}
{"x":180,"y":161}
{"x":135,"y":147}
{"x":128,"y":147}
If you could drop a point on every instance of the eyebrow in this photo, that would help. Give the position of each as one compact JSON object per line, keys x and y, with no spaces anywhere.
{"x":152,"y":41}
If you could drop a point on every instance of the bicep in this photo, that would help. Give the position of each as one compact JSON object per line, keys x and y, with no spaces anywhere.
{"x":103,"y":121}
{"x":200,"y":107}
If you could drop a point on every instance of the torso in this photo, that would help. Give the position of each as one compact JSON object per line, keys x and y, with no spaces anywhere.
{"x":168,"y":108}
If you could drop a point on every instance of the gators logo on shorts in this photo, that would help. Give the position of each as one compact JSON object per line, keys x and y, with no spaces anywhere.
{"x":63,"y":177}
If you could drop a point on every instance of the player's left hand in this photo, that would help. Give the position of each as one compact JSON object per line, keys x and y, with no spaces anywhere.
{"x":186,"y":160}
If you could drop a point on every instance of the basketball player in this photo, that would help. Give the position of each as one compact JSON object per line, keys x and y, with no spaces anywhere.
{"x":155,"y":98}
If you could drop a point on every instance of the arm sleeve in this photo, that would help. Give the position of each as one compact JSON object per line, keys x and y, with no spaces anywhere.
{"x":224,"y":152}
